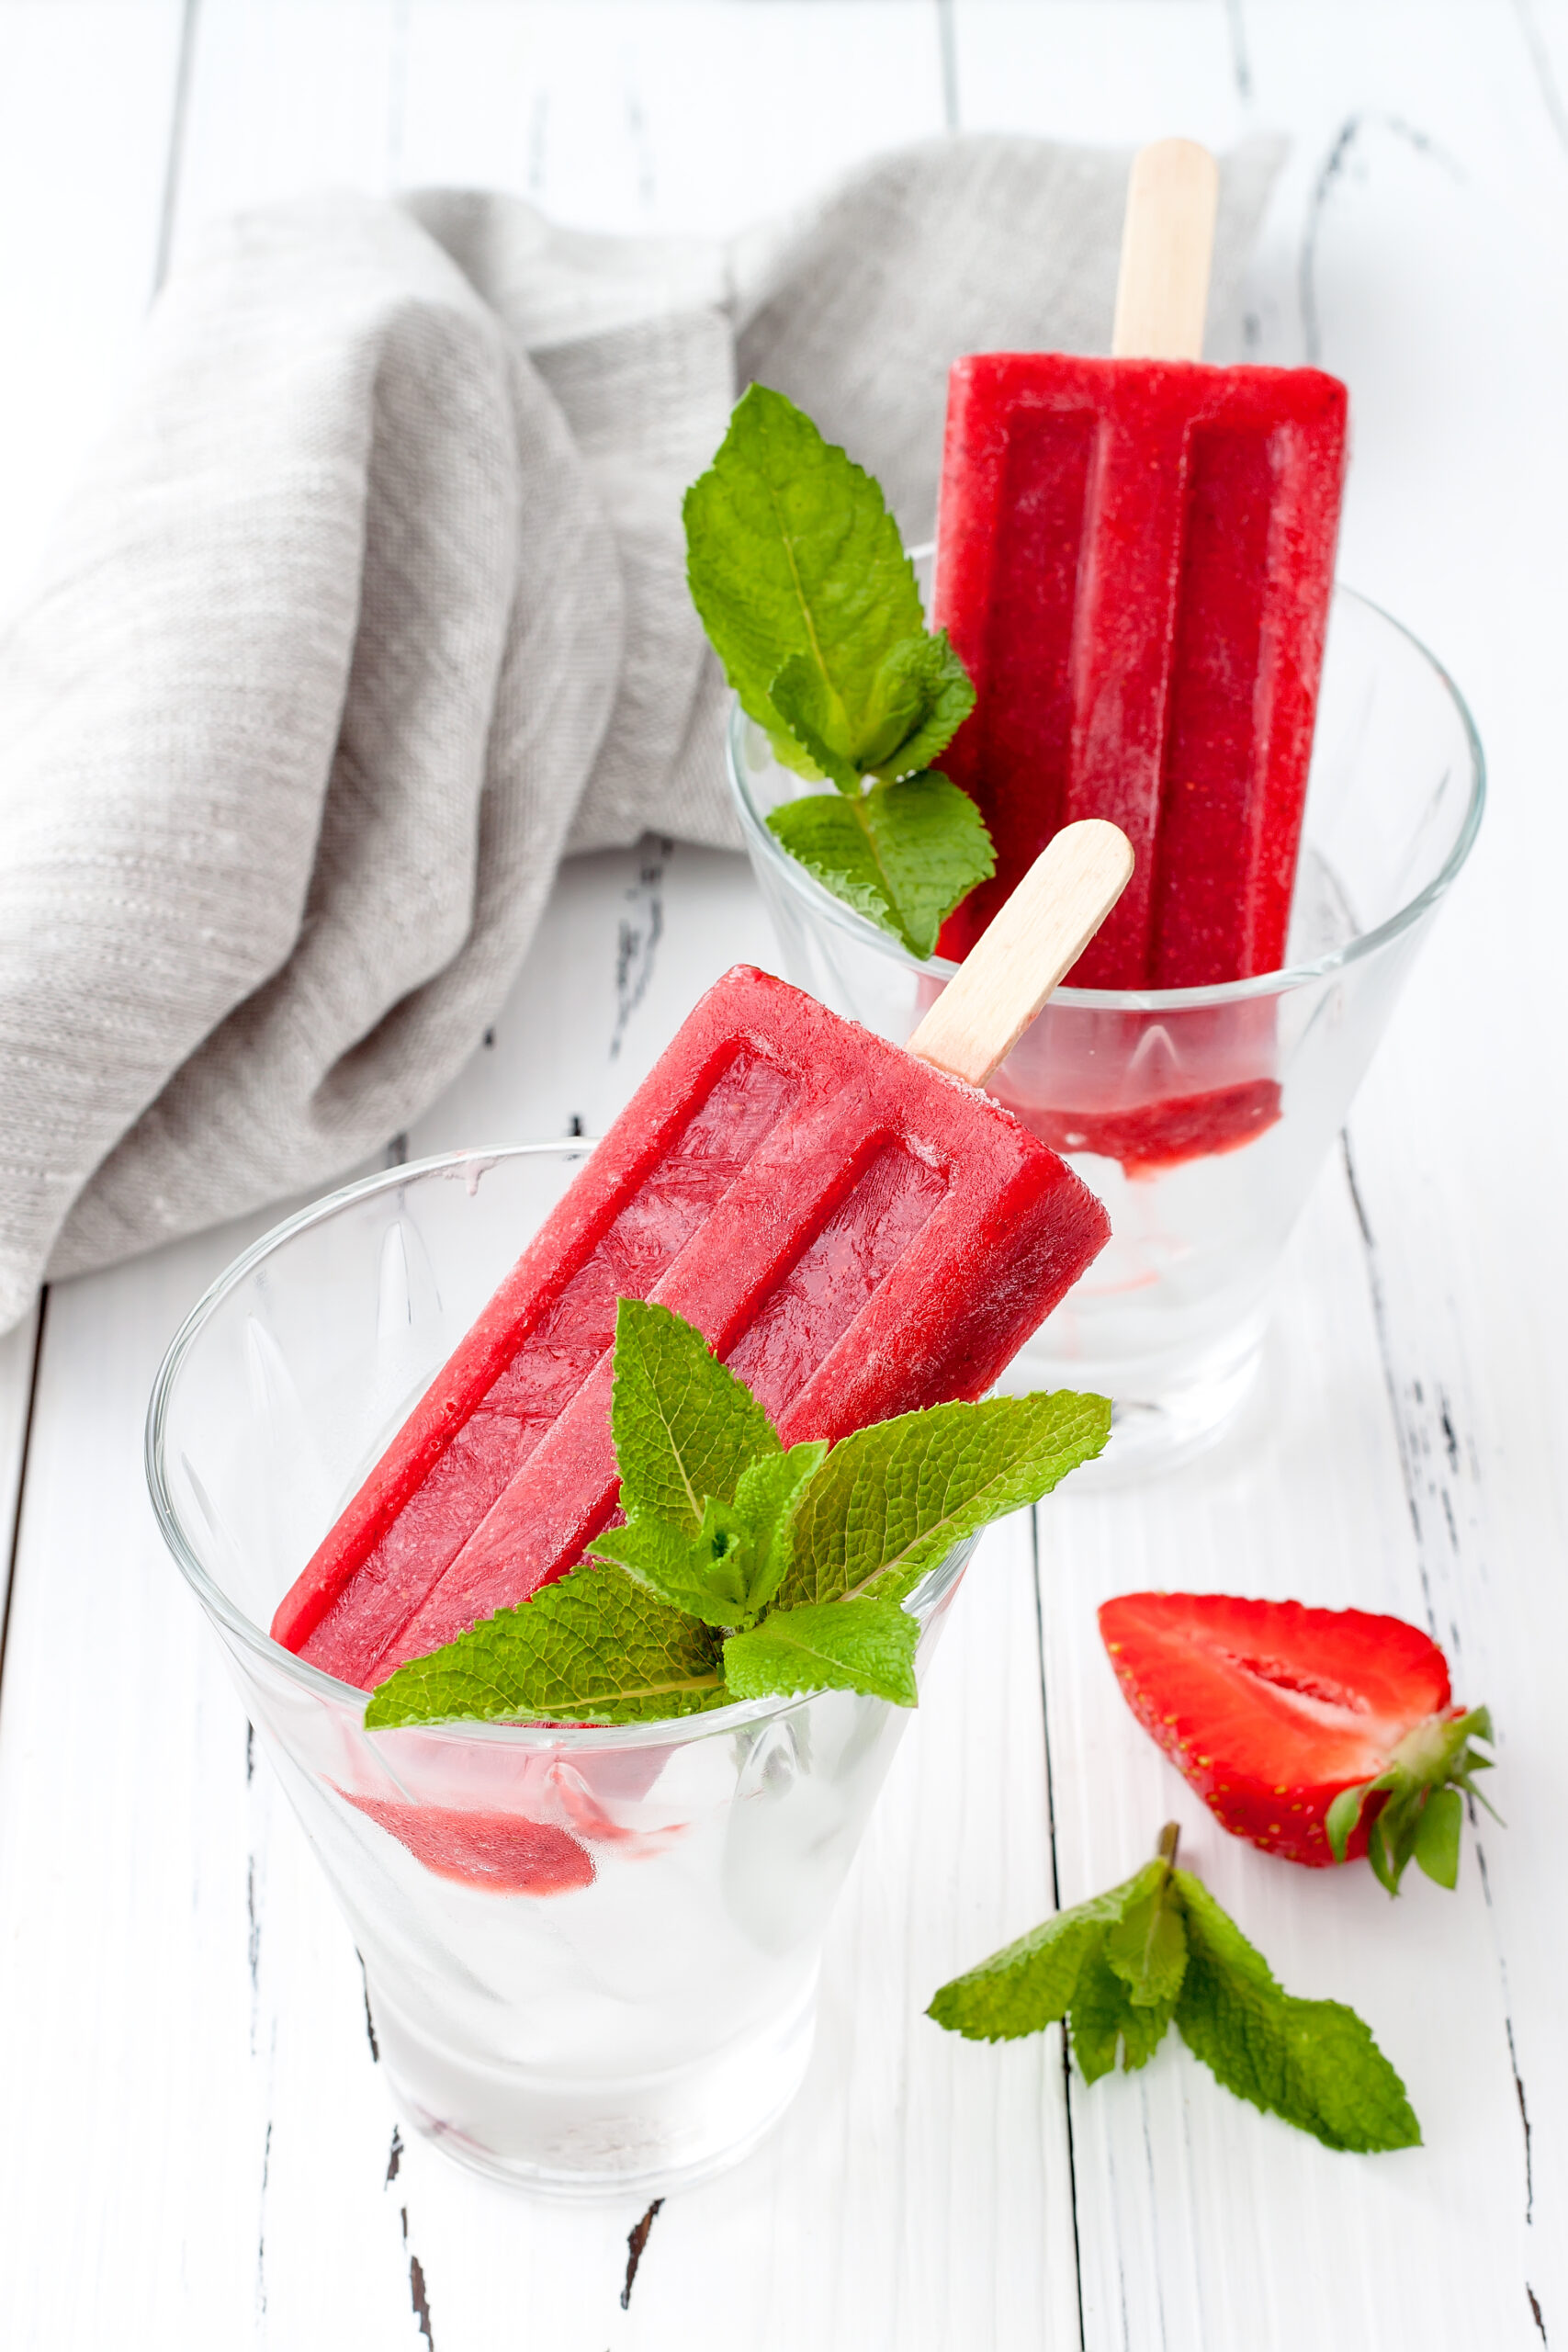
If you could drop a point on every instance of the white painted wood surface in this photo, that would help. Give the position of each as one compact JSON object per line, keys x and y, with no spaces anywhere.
{"x":198,"y":2151}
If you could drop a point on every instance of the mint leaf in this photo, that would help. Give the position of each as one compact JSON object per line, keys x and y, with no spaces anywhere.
{"x":595,"y":1646}
{"x":729,"y":1570}
{"x":1030,"y":1984}
{"x":791,"y":550}
{"x":805,"y":703}
{"x":796,"y":569}
{"x":1128,"y":1993}
{"x":1313,"y":2062}
{"x":891,"y":1501}
{"x":1158,"y":1946}
{"x":1104,"y":2014}
{"x":930,"y":846}
{"x":765,"y":1502}
{"x":902,"y":855}
{"x":1148,"y":1948}
{"x":922,"y":697}
{"x":904,"y":852}
{"x":684,"y":1427}
{"x":865,"y":1645}
{"x":938,"y":696}
{"x":714,"y":1508}
{"x":702,"y":1574}
{"x":825,"y":835}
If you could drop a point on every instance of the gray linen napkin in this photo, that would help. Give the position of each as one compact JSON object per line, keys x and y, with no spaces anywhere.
{"x":372,"y":606}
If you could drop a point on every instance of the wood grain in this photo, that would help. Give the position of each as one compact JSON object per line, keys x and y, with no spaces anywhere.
{"x":1167,"y":242}
{"x":87,"y":97}
{"x":1030,"y":945}
{"x":1393,"y":233}
{"x":200,"y":2151}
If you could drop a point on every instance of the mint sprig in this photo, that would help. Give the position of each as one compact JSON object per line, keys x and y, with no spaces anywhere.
{"x":593,"y":1647}
{"x":1158,"y":1949}
{"x":684,"y":1427}
{"x":866,"y":1646}
{"x":744,"y":1570}
{"x":801,"y":581}
{"x":902,"y":855}
{"x":1423,"y":1809}
{"x":892,"y":1500}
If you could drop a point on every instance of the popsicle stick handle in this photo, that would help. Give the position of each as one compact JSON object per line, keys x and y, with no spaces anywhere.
{"x":1167,"y":240}
{"x":1039,"y":934}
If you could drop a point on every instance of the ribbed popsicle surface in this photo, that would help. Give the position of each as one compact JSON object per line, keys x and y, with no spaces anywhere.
{"x":857,"y":1235}
{"x":1134,"y":560}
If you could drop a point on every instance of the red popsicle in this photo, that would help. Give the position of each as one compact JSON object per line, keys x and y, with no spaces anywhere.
{"x":1135,"y":563}
{"x":856,"y":1231}
{"x":1134,"y":560}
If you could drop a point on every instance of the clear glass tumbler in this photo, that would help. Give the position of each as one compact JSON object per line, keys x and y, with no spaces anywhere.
{"x":1200,"y":1117}
{"x":592,"y":1955}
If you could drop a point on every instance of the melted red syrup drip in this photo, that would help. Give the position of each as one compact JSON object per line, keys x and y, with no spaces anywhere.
{"x":1157,"y":1136}
{"x":503,"y":1853}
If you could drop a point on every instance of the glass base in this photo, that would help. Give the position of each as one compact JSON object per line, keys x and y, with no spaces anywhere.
{"x":561,"y":2136}
{"x":1164,"y":1410}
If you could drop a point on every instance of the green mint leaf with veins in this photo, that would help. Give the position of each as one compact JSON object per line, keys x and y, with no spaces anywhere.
{"x":924,"y":695}
{"x":595,"y":1646}
{"x":729,"y":1570}
{"x":1313,"y":2062}
{"x":702,"y":1574}
{"x":864,"y":1645}
{"x":791,"y":551}
{"x":932,"y":848}
{"x":801,"y":1558}
{"x":685,"y":1429}
{"x":1158,"y":1946}
{"x":1033,"y":1981}
{"x":891,"y":1501}
{"x":903,"y":854}
{"x":765,"y":1502}
{"x":1147,"y":1949}
{"x":802,"y":583}
{"x":932,"y":689}
{"x":801,"y":696}
{"x":826,"y":835}
{"x":1106,"y":2021}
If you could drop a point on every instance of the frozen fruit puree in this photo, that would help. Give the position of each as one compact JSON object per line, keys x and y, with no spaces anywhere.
{"x":856,"y":1234}
{"x":1134,"y":560}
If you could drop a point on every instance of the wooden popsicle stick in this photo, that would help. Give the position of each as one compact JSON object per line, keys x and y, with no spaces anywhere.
{"x":1168,"y":239}
{"x":1039,"y":934}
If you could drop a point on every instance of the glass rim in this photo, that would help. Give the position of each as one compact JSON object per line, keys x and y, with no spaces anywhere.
{"x":474,"y":1163}
{"x":805,"y":886}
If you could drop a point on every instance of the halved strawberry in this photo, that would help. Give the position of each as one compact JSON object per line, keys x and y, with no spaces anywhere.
{"x":1320,"y":1733}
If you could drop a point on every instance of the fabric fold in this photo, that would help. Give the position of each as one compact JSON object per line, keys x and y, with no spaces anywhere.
{"x":372,"y":606}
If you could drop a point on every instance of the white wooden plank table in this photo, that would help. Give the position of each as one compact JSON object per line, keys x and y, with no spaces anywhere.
{"x":198,"y":2150}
